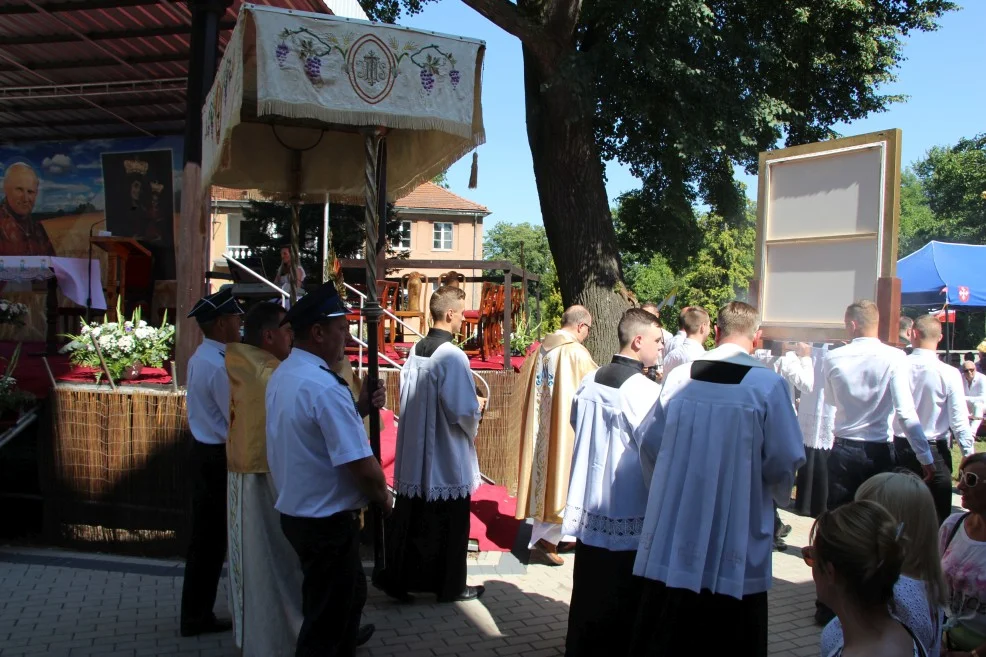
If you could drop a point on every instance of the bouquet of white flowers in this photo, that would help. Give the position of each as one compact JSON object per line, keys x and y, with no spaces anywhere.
{"x":12,"y":313}
{"x":124,"y":345}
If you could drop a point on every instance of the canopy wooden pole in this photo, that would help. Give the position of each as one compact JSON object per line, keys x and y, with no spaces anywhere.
{"x":191,"y":232}
{"x":374,"y":189}
{"x":295,"y":224}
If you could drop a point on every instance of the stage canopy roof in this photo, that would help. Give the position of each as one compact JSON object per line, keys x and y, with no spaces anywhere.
{"x":940,"y":271}
{"x":99,"y":69}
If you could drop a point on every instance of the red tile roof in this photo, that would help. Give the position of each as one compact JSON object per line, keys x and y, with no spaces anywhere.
{"x":430,"y":196}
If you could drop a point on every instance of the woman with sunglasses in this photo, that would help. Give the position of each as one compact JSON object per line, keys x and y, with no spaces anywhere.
{"x":855,"y":555}
{"x":919,"y":594}
{"x":962,"y":541}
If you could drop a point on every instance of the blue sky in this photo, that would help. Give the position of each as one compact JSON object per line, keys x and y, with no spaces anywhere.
{"x":947,"y":102}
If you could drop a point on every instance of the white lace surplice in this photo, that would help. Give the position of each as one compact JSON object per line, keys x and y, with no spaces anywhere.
{"x":436,"y":451}
{"x":607,"y":495}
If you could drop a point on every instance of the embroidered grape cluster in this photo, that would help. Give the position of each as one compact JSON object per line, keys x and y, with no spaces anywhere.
{"x":427,"y":80}
{"x":281,"y":52}
{"x":313,"y":68}
{"x":454,"y":78}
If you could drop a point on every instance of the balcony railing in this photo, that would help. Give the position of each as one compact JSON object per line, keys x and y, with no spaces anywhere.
{"x":239,"y":252}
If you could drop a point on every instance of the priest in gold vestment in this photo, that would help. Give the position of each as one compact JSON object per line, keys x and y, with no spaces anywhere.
{"x":546,"y":387}
{"x":264,"y":577}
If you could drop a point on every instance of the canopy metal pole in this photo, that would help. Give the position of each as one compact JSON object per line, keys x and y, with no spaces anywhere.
{"x":325,"y":242}
{"x":373,"y":145}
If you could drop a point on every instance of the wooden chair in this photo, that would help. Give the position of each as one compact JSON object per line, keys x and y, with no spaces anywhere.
{"x":411,"y":300}
{"x":472,"y":322}
{"x":387,"y":292}
{"x":452,"y":279}
{"x":492,"y":323}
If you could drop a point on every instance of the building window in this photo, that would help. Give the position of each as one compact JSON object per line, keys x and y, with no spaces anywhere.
{"x":404,"y":239}
{"x":442,"y":237}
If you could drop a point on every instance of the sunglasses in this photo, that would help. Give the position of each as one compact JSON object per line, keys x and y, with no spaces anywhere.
{"x":808,"y":554}
{"x":970,"y":479}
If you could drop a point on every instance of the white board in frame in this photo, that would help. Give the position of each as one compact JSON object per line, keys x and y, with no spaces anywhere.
{"x":827,"y":218}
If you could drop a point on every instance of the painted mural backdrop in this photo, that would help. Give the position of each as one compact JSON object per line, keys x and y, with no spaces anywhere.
{"x":54,"y":192}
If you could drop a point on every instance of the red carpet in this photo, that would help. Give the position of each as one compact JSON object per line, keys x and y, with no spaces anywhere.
{"x":492,"y":523}
{"x":475,"y":362}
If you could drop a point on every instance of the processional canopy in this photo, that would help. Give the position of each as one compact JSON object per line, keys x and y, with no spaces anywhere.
{"x":295,"y":81}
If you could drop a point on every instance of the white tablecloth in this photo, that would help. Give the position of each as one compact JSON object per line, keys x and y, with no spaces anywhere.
{"x":73,"y":277}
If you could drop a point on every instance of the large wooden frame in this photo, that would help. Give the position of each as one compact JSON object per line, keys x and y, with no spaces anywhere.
{"x":827,"y":221}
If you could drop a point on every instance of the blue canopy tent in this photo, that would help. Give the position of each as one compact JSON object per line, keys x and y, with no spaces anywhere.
{"x":940,"y":274}
{"x":943,"y":275}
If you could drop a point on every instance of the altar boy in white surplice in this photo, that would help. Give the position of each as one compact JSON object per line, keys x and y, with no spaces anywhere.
{"x":724,"y":444}
{"x":436,"y":468}
{"x":607,"y":494}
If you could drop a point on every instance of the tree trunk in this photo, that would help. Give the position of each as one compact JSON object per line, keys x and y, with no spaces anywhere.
{"x":574,"y":205}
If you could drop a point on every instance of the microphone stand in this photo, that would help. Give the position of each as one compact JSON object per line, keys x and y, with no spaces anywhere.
{"x":89,"y":272}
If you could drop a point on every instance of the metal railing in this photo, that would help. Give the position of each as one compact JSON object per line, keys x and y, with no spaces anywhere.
{"x":358,"y":339}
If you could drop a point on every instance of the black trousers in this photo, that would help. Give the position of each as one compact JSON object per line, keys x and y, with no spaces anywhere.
{"x":605,"y":595}
{"x":427,"y":542}
{"x":207,"y":547}
{"x":941,"y":484}
{"x":333,"y":589}
{"x":813,"y":483}
{"x":852,"y":462}
{"x":681,"y":622}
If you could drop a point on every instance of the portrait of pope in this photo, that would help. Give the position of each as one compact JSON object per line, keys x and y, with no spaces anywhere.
{"x":20,"y":234}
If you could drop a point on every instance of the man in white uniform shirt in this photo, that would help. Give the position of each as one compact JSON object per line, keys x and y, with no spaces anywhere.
{"x":607,"y":494}
{"x":867,"y":383}
{"x":723,"y":444}
{"x":697,"y":327}
{"x":436,"y":469}
{"x":324,"y":472}
{"x":974,"y":384}
{"x":207,"y":400}
{"x":940,"y":403}
{"x":672,"y":343}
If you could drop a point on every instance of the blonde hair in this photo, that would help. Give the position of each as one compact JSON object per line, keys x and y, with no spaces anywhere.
{"x":909,"y":501}
{"x":862,"y":542}
{"x":864,"y":312}
{"x":737,"y":318}
{"x":928,"y":326}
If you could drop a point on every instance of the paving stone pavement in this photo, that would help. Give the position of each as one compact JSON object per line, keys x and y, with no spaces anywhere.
{"x":69,"y":604}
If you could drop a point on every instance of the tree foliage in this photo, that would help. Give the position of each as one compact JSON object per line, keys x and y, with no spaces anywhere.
{"x":679,"y":91}
{"x":719,"y":272}
{"x":503,"y":242}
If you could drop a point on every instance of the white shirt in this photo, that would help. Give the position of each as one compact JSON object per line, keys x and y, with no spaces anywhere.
{"x":798,"y":372}
{"x":207,"y":393}
{"x":724,"y":445}
{"x":939,"y":399}
{"x":673,"y":342}
{"x":436,"y":450}
{"x":685,"y":351}
{"x":313,"y":431}
{"x":867,"y":382}
{"x":977,"y":389}
{"x":607,"y":494}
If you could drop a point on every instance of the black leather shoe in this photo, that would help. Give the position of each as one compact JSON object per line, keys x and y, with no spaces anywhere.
{"x":780,"y":545}
{"x":364,"y":633}
{"x":784,"y":531}
{"x":211,"y":626}
{"x":469,"y":593}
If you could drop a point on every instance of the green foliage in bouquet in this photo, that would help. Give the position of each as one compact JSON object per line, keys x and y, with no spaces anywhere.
{"x":12,"y":398}
{"x":524,"y":336}
{"x":122,"y":343}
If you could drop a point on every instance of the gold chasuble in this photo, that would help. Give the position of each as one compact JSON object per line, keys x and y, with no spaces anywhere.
{"x":547,"y":384}
{"x":249,"y":368}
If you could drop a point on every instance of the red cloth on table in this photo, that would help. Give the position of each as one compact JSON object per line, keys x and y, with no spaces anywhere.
{"x":149,"y":375}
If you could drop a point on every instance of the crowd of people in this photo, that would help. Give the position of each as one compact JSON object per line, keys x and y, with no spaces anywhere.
{"x":660,"y":471}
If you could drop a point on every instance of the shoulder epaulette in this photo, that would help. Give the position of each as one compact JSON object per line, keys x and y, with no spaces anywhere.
{"x":345,"y":385}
